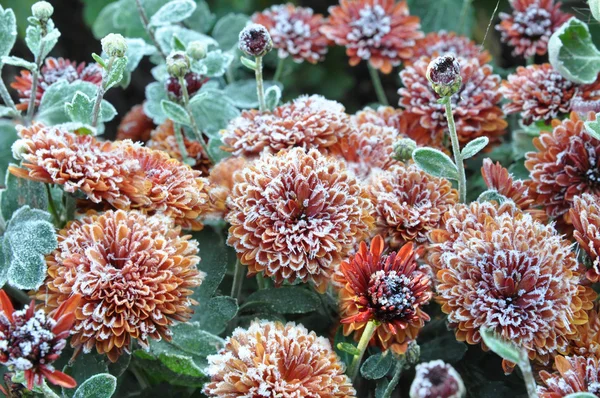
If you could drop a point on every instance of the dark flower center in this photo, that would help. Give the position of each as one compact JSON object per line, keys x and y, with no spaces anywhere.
{"x":534,"y":22}
{"x":390,"y":295}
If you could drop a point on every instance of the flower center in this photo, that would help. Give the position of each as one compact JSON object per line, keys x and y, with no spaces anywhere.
{"x":534,"y":22}
{"x":68,"y":73}
{"x":370,"y":28}
{"x":390,"y":295}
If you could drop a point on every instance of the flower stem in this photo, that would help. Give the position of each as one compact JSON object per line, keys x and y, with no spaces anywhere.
{"x":279,"y":70}
{"x":260,"y":90}
{"x":525,"y":367}
{"x":238,"y":279}
{"x":148,"y":29}
{"x":462,"y":180}
{"x":101,"y":91}
{"x":181,"y":145}
{"x":370,"y":329}
{"x":6,"y":96}
{"x":35,"y":75}
{"x":51,"y":206}
{"x":395,"y":379}
{"x":376,"y":79}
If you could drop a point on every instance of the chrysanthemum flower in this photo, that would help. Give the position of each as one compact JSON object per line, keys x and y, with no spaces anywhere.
{"x":437,"y":379}
{"x":295,"y":32}
{"x":307,"y":122}
{"x":272,"y":359}
{"x":586,"y":340}
{"x":436,"y":44}
{"x":574,"y":374}
{"x":134,"y":273}
{"x":379,"y":31}
{"x":500,"y":269}
{"x":31,"y":340}
{"x":409,"y":202}
{"x":54,"y":69}
{"x":564,"y":166}
{"x":585,"y":216}
{"x":530,"y":26}
{"x":221,"y":181}
{"x":475,"y":106}
{"x":539,"y":92}
{"x":135,"y":125}
{"x":388,"y":288}
{"x":296,"y":215}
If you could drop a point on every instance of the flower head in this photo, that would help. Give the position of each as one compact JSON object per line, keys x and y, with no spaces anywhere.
{"x":295,"y":32}
{"x":379,"y":31}
{"x":178,"y":64}
{"x":388,"y":288}
{"x":296,"y":215}
{"x":574,"y":374}
{"x":221,"y":180}
{"x":134,"y":274}
{"x":31,"y":340}
{"x":443,"y":74}
{"x":42,"y":10}
{"x":530,"y":26}
{"x":114,"y":45}
{"x":135,"y":125}
{"x":196,"y":49}
{"x":255,"y":40}
{"x":273,"y":359}
{"x":437,"y":379}
{"x":436,"y":44}
{"x":586,"y":340}
{"x":585,"y":216}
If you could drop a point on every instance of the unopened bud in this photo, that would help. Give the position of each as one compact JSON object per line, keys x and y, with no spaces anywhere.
{"x":255,"y":40}
{"x":19,"y":148}
{"x":403,"y":149}
{"x":42,"y":10}
{"x":114,"y":45}
{"x":437,"y":379}
{"x":178,"y":64}
{"x":444,"y":75}
{"x":412,"y":354}
{"x":196,"y":50}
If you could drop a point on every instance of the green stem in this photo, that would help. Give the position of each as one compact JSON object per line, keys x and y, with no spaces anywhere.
{"x":370,"y":329}
{"x":195,"y":129}
{"x":101,"y":91}
{"x":376,"y":79}
{"x":462,"y":180}
{"x":51,"y":206}
{"x":525,"y":367}
{"x":260,"y":90}
{"x":181,"y":145}
{"x":261,"y":282}
{"x":6,"y":96}
{"x":395,"y":379}
{"x":139,"y":376}
{"x":35,"y":74}
{"x":279,"y":70}
{"x":148,"y":29}
{"x":238,"y":280}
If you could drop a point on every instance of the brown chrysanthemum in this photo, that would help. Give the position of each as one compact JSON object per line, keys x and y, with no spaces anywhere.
{"x":295,"y":32}
{"x":54,"y":70}
{"x":436,"y":44}
{"x":307,"y":122}
{"x":565,"y":165}
{"x":499,"y":269}
{"x":163,"y":139}
{"x":409,"y":202}
{"x":530,"y":26}
{"x":379,"y":31}
{"x":388,"y":288}
{"x":586,"y":340}
{"x":296,"y":215}
{"x":585,"y":216}
{"x":134,"y":273}
{"x":221,"y":181}
{"x":475,"y":106}
{"x":135,"y":125}
{"x":272,"y":359}
{"x":539,"y":92}
{"x":574,"y":374}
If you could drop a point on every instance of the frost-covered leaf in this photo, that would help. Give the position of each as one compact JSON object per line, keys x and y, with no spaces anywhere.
{"x":215,"y":149}
{"x":19,"y":62}
{"x":165,"y":33}
{"x":173,"y":12}
{"x":81,"y":108}
{"x":6,"y":111}
{"x":242,"y":93}
{"x":377,"y":366}
{"x":504,"y":348}
{"x":444,"y":347}
{"x":212,"y":111}
{"x":492,"y":195}
{"x":248,"y":63}
{"x":592,"y":127}
{"x":102,"y":385}
{"x":228,"y":28}
{"x":136,"y":50}
{"x":122,"y":17}
{"x":595,"y":9}
{"x":175,"y":112}
{"x":34,"y":40}
{"x":8,"y":135}
{"x":21,"y":192}
{"x":435,"y":162}
{"x":202,"y":19}
{"x":284,"y":300}
{"x":450,"y":15}
{"x":474,"y":147}
{"x":177,"y":44}
{"x":215,"y":64}
{"x":272,"y":97}
{"x":83,"y":368}
{"x":181,"y":364}
{"x":115,"y":75}
{"x":581,"y":395}
{"x":214,"y":315}
{"x":572,"y":52}
{"x":8,"y":30}
{"x":155,"y":94}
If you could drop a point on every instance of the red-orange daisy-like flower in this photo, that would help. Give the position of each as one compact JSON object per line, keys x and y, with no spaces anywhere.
{"x":436,"y":44}
{"x":586,"y":340}
{"x":54,"y":70}
{"x":270,"y":359}
{"x":539,"y":92}
{"x":295,"y":32}
{"x":475,"y":106}
{"x":296,"y":215}
{"x":379,"y":31}
{"x":530,"y":26}
{"x":388,"y":288}
{"x":585,"y":216}
{"x":31,"y":340}
{"x":409,"y":202}
{"x":574,"y":374}
{"x":135,"y":275}
{"x":565,"y":165}
{"x":135,"y":125}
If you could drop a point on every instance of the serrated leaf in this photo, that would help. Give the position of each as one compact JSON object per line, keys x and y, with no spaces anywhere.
{"x":228,"y":28}
{"x":175,"y":112}
{"x":215,"y":64}
{"x":21,"y":192}
{"x":272,"y":97}
{"x":377,"y":366}
{"x":450,"y":15}
{"x":81,"y":108}
{"x":17,"y":61}
{"x":214,"y":315}
{"x":592,"y":127}
{"x":173,"y":12}
{"x":115,"y":74}
{"x":212,"y":111}
{"x":572,"y":52}
{"x":474,"y":147}
{"x":102,"y":385}
{"x":242,"y":93}
{"x":155,"y":94}
{"x":284,"y":300}
{"x":435,"y":162}
{"x":504,"y":348}
{"x":8,"y":30}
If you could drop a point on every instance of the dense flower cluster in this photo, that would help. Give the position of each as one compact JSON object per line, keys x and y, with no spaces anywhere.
{"x":436,"y":44}
{"x":585,"y":216}
{"x":574,"y":374}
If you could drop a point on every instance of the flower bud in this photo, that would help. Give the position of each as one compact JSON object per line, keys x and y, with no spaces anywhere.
{"x":255,"y":40}
{"x":178,"y":64}
{"x":193,"y":83}
{"x":403,"y":149}
{"x":413,"y":353}
{"x":437,"y":379}
{"x":444,"y":75}
{"x":19,"y":148}
{"x":196,"y":50}
{"x":42,"y":10}
{"x":114,"y":45}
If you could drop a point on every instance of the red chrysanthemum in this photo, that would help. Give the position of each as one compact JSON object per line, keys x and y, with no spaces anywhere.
{"x":574,"y":374}
{"x":585,"y":216}
{"x":530,"y":26}
{"x":295,"y":32}
{"x":379,"y":31}
{"x":54,"y":69}
{"x":135,"y":125}
{"x":436,"y":44}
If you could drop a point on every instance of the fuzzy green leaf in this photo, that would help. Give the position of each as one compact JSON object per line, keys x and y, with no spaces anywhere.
{"x":81,"y":108}
{"x":165,"y":33}
{"x":175,"y":112}
{"x":593,"y":127}
{"x":377,"y":366}
{"x":34,"y":40}
{"x":474,"y":147}
{"x":228,"y":28}
{"x":8,"y":30}
{"x":272,"y":97}
{"x":450,"y":15}
{"x":202,"y":20}
{"x":284,"y":300}
{"x":492,"y":195}
{"x":248,"y":63}
{"x":212,"y":111}
{"x":115,"y":74}
{"x":595,"y":9}
{"x":155,"y":94}
{"x":215,"y":145}
{"x":348,"y":348}
{"x":19,"y":62}
{"x":435,"y":162}
{"x":504,"y":348}
{"x":173,"y":12}
{"x":581,"y":395}
{"x":102,"y":385}
{"x":242,"y":93}
{"x":21,"y":192}
{"x":8,"y":135}
{"x":214,"y":315}
{"x":215,"y":64}
{"x":84,"y":368}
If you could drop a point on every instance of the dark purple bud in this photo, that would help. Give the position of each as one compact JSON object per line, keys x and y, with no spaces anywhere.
{"x":437,"y":379}
{"x":444,"y":75}
{"x":193,"y":82}
{"x":255,"y":40}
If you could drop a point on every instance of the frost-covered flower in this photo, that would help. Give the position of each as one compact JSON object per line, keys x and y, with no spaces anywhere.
{"x":135,"y":274}
{"x":135,"y":125}
{"x":586,"y":340}
{"x":585,"y":216}
{"x":388,"y":288}
{"x":409,"y":202}
{"x":270,"y":359}
{"x":574,"y":374}
{"x":222,"y":181}
{"x":295,"y":32}
{"x":307,"y":122}
{"x":255,"y":40}
{"x":539,"y":92}
{"x":437,"y":379}
{"x":565,"y":165}
{"x":475,"y":106}
{"x":193,"y":84}
{"x":296,"y":215}
{"x":436,"y":44}
{"x":499,"y":269}
{"x":529,"y":27}
{"x":30,"y":340}
{"x":54,"y":70}
{"x":379,"y":31}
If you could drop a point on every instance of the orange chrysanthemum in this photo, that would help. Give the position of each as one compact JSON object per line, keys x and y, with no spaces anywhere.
{"x":296,"y":215}
{"x":586,"y":340}
{"x":409,"y":202}
{"x":585,"y":216}
{"x":221,"y":181}
{"x":388,"y":288}
{"x":135,"y":125}
{"x":272,"y":359}
{"x":134,"y":273}
{"x":574,"y":374}
{"x":379,"y":31}
{"x":436,"y":44}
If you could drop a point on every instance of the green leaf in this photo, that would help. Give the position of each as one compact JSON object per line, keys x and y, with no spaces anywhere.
{"x":572,"y":52}
{"x":8,"y":30}
{"x":173,"y":12}
{"x":41,"y":390}
{"x":444,"y":347}
{"x":242,"y":93}
{"x":522,"y":140}
{"x":181,"y":364}
{"x":595,"y":9}
{"x":474,"y":147}
{"x":202,"y":19}
{"x":81,"y":109}
{"x":215,"y":64}
{"x":136,"y":50}
{"x":381,"y":388}
{"x":115,"y":74}
{"x":435,"y":162}
{"x":155,"y":94}
{"x":284,"y":300}
{"x":177,"y":44}
{"x":492,"y":195}
{"x":21,"y":192}
{"x":34,"y":40}
{"x":212,"y":111}
{"x":248,"y":63}
{"x":504,"y":348}
{"x":214,"y":315}
{"x":377,"y":366}
{"x":348,"y":348}
{"x":175,"y":112}
{"x":8,"y":135}
{"x":20,"y":62}
{"x":228,"y":28}
{"x":214,"y":149}
{"x":84,"y":368}
{"x":123,"y":17}
{"x":581,"y":395}
{"x":99,"y":60}
{"x":592,"y":127}
{"x":102,"y":385}
{"x":450,"y":15}
{"x":165,"y":33}
{"x":6,"y":111}
{"x":272,"y":97}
